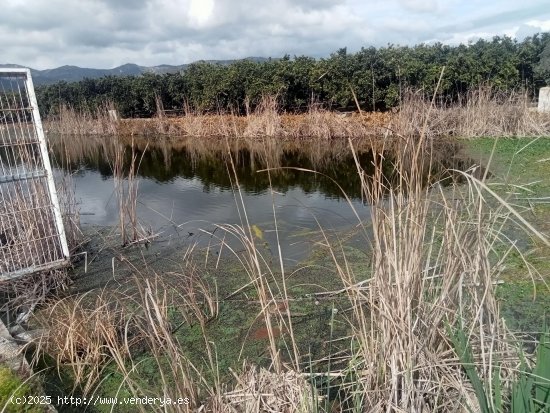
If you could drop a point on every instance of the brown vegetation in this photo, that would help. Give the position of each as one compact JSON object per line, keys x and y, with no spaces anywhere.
{"x":480,"y":113}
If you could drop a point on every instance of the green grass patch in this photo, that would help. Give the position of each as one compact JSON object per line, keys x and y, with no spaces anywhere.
{"x":17,"y":395}
{"x":520,"y":171}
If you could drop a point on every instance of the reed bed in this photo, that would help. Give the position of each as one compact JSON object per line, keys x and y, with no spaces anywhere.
{"x":73,"y":122}
{"x":432,"y":270}
{"x":266,"y":121}
{"x":481,"y":112}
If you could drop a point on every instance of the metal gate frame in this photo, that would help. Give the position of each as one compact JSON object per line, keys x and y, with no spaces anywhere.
{"x":35,"y":138}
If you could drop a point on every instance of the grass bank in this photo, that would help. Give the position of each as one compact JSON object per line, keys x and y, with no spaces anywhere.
{"x":521,"y":174}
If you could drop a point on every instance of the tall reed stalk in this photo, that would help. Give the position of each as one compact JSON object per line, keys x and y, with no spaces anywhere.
{"x":126,"y":190}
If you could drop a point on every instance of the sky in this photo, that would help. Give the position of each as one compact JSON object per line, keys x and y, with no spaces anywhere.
{"x":44,"y":34}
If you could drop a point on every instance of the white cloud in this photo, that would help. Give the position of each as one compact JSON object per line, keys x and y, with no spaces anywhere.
{"x":107,"y":33}
{"x":420,"y":5}
{"x":543,"y":25}
{"x":200,"y":11}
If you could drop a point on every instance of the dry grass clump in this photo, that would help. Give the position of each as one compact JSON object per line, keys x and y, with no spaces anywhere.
{"x":485,"y":112}
{"x":192,"y":124}
{"x":260,"y":390}
{"x":480,"y":113}
{"x":322,"y":123}
{"x":84,"y":333}
{"x":266,"y":120}
{"x":119,"y":330}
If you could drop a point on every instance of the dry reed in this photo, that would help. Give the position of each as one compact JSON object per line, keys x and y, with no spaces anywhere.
{"x":126,"y":185}
{"x":72,"y":122}
{"x":434,"y":268}
{"x":481,"y":112}
{"x":260,"y":390}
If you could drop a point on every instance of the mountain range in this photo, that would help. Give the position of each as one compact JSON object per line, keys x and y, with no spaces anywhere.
{"x":75,"y":73}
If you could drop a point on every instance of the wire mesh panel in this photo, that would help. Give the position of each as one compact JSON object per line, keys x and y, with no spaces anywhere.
{"x":32,"y":237}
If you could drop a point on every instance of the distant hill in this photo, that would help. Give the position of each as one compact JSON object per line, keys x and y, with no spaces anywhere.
{"x":75,"y":73}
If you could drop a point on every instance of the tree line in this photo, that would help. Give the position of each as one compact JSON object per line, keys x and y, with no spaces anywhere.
{"x":377,"y":77}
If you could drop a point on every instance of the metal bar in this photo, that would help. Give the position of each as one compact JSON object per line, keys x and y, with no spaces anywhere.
{"x":13,"y":71}
{"x":46,"y":163}
{"x":16,"y":109}
{"x":21,"y":177}
{"x":30,"y":270}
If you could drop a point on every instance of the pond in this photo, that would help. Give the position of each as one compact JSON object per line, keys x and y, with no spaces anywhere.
{"x":187,"y":188}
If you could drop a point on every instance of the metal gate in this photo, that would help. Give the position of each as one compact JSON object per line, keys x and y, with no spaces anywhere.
{"x":32,"y":237}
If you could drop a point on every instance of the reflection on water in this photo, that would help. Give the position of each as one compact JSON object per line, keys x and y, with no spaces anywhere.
{"x":188,"y":185}
{"x":209,"y":164}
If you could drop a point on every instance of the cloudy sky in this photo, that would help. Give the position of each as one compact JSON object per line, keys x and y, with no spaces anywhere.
{"x":106,"y":33}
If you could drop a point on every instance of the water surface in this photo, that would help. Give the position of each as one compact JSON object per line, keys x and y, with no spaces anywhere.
{"x":186,"y":191}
